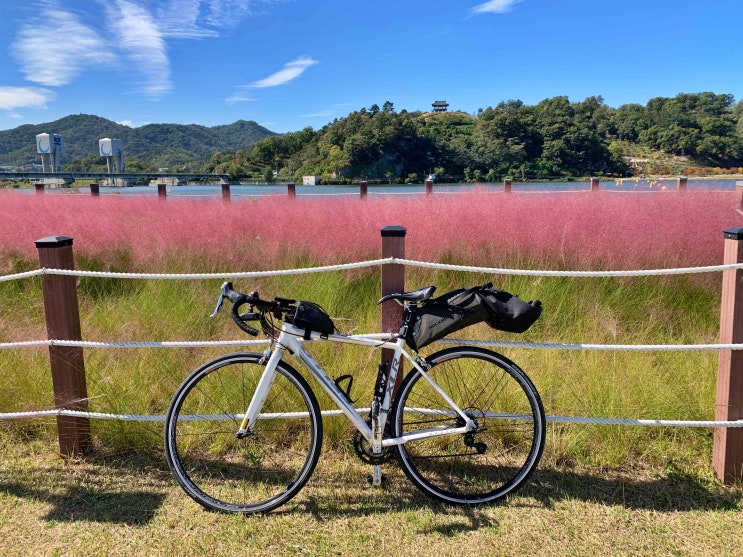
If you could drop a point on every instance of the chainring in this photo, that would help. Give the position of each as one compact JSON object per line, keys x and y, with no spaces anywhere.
{"x":363,"y":450}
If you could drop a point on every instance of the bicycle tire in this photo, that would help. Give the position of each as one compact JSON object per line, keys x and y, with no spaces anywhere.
{"x":494,"y":461}
{"x":255,"y":474}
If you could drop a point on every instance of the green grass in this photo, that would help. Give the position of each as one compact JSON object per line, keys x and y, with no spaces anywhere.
{"x":660,"y":385}
{"x":127,"y":503}
{"x":606,"y":490}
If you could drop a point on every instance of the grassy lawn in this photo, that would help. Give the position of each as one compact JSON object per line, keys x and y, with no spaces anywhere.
{"x":127,"y":503}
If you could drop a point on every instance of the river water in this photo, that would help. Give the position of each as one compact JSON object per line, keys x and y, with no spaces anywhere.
{"x":254,"y":191}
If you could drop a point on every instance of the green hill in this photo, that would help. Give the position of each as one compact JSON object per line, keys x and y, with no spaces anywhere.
{"x":159,"y":145}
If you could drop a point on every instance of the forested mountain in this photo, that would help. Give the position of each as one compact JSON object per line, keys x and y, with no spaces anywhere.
{"x":555,"y":138}
{"x":153,"y":145}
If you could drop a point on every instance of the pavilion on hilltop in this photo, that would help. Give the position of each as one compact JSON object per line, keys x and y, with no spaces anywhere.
{"x":440,"y":106}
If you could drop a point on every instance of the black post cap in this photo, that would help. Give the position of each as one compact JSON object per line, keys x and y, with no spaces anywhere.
{"x":54,"y":242}
{"x":734,"y":233}
{"x":393,"y":231}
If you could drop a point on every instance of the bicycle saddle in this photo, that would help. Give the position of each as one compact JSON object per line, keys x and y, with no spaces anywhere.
{"x":415,"y":296}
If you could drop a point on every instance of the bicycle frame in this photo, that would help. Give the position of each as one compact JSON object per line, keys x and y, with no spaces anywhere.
{"x":292,"y":339}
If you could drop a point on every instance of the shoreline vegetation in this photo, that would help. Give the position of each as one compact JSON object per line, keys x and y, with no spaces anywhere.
{"x":689,"y":134}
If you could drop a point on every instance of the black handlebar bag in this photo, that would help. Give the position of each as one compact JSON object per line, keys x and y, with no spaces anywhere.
{"x":455,"y":310}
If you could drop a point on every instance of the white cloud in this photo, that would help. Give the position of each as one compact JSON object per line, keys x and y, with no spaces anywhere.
{"x":195,"y":19}
{"x":240,"y":95}
{"x":55,"y":47}
{"x":138,"y":36}
{"x":291,"y":71}
{"x":495,"y":6}
{"x":321,"y":114}
{"x":226,"y":13}
{"x":59,"y":43}
{"x":183,"y":19}
{"x":127,"y":123}
{"x":12,"y":98}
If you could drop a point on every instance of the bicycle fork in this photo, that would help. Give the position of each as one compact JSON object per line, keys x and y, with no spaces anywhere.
{"x":261,"y":393}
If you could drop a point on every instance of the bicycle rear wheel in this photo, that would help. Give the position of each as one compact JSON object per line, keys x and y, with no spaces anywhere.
{"x":259,"y":472}
{"x":487,"y":464}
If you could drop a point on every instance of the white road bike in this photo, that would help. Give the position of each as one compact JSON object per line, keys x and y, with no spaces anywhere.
{"x":243,"y":433}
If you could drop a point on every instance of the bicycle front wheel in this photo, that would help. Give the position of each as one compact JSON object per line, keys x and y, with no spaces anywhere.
{"x":487,"y":463}
{"x":260,"y":471}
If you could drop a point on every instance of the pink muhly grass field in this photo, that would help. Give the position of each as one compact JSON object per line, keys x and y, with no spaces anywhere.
{"x":591,"y":230}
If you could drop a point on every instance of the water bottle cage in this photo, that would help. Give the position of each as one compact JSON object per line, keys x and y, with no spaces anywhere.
{"x":346,"y":390}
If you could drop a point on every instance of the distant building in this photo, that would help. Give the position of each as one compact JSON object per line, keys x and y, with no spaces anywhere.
{"x":311,"y":180}
{"x":168,"y":181}
{"x":440,"y":106}
{"x":50,"y":147}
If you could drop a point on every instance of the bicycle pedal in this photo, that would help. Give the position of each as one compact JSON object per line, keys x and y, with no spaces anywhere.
{"x":370,"y":479}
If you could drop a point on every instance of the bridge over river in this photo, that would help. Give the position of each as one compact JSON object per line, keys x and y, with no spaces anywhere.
{"x":127,"y":177}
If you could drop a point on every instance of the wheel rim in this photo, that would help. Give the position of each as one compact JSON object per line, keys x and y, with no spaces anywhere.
{"x":492,"y":460}
{"x":260,"y":471}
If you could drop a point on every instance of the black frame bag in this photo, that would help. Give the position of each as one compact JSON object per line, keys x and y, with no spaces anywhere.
{"x":311,"y":317}
{"x":457,"y":309}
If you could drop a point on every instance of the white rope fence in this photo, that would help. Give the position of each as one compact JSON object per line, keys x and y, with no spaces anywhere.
{"x":371,"y":263}
{"x":467,"y":342}
{"x":554,"y":419}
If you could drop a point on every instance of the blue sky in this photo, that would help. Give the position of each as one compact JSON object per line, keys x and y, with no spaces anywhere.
{"x":289,"y":64}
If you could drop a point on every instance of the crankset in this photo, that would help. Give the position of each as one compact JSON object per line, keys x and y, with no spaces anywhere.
{"x":363,"y":450}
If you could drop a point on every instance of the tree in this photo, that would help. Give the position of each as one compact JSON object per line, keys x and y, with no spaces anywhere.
{"x":336,"y":160}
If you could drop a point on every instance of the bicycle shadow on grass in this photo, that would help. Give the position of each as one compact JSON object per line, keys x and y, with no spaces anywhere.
{"x":80,"y":504}
{"x":344,"y":491}
{"x":131,"y":488}
{"x":128,"y":490}
{"x":672,"y":491}
{"x":342,"y":499}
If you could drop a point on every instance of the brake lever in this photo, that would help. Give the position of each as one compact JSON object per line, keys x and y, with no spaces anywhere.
{"x":219,"y":306}
{"x":225,"y":288}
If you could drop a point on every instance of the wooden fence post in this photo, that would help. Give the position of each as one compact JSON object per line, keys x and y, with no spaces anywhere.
{"x":727,"y":451}
{"x":292,"y":189}
{"x":39,"y":187}
{"x":226,"y":197}
{"x":393,"y":280}
{"x":429,"y":187}
{"x":681,"y":183}
{"x":63,"y":323}
{"x":162,"y":191}
{"x":594,"y":184}
{"x":507,"y":185}
{"x":95,"y":190}
{"x":738,"y":195}
{"x":362,"y":189}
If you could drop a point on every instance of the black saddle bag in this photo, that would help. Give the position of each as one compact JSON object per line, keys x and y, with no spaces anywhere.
{"x":455,"y":310}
